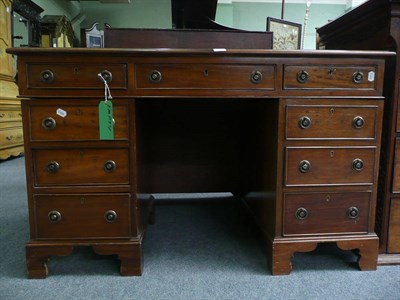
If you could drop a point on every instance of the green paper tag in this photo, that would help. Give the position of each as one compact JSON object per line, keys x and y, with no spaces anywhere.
{"x":106,"y":120}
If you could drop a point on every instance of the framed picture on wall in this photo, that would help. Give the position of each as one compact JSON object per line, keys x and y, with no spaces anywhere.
{"x":286,"y":35}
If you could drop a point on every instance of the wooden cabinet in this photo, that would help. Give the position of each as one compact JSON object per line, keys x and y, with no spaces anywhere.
{"x":354,"y":31}
{"x":11,"y":136}
{"x":301,"y":153}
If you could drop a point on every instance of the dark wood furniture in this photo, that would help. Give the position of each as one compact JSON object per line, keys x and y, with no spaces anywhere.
{"x":294,"y":134}
{"x":184,"y":38}
{"x":375,"y":25}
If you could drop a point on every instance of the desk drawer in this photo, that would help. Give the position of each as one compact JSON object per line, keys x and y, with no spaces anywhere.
{"x":73,"y":122}
{"x":330,"y":122}
{"x":82,"y":216}
{"x":330,"y":77}
{"x":329,"y":165}
{"x":75,"y":76}
{"x":332,"y":213}
{"x":81,"y":166}
{"x":201,"y":76}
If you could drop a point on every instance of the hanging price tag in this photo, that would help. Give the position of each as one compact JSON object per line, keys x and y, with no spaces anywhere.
{"x":106,"y":120}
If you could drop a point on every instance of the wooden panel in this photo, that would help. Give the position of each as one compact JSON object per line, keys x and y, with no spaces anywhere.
{"x":82,"y":216}
{"x":330,"y":77}
{"x":329,"y":165}
{"x":194,"y":39}
{"x":201,"y":76}
{"x":81,"y":166}
{"x":331,"y":122}
{"x":76,"y":75}
{"x":74,"y":122}
{"x":394,"y":227}
{"x":327,"y":213}
{"x":396,"y":168}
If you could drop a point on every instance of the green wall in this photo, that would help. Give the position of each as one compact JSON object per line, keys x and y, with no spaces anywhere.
{"x":252,"y":16}
{"x":137,"y":14}
{"x":157,"y":14}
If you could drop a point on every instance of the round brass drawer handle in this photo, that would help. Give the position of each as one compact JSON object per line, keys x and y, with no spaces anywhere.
{"x":110,"y":216}
{"x":54,"y":216}
{"x":256,"y":77}
{"x":358,"y":122}
{"x":302,"y":76}
{"x":304,"y":122}
{"x":49,"y":123}
{"x":110,"y":166}
{"x":47,"y":76}
{"x":155,"y":76}
{"x":352,"y":212}
{"x":357,"y":164}
{"x":301,"y":213}
{"x":358,"y":77}
{"x":106,"y":75}
{"x":52,"y":167}
{"x":304,"y":166}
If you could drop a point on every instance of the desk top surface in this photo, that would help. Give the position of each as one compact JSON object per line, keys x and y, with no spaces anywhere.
{"x":196,"y":52}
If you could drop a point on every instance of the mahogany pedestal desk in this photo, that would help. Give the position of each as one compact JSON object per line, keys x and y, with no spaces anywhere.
{"x":295,"y":134}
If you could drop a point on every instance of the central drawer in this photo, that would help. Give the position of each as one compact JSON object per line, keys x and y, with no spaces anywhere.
{"x":81,"y":166}
{"x":202,"y":76}
{"x":312,"y":166}
{"x":82,"y":216}
{"x":328,"y":213}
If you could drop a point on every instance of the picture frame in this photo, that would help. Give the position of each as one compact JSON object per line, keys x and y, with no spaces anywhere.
{"x":92,"y":37}
{"x":286,"y":35}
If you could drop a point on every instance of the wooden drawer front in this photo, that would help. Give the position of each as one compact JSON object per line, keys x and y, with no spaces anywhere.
{"x":329,"y":165}
{"x":396,"y":168}
{"x":329,"y":77}
{"x":334,"y":213}
{"x":199,"y":76}
{"x":394,"y":226}
{"x":10,"y":137}
{"x":80,"y":122}
{"x":75,"y":76}
{"x":81,"y":166}
{"x":330,"y":122}
{"x":82,"y":216}
{"x":9,"y":115}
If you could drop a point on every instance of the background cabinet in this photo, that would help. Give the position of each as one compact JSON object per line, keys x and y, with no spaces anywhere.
{"x":11,"y":137}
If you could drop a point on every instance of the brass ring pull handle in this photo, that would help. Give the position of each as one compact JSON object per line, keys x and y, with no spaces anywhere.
{"x":110,"y":216}
{"x":358,"y":77}
{"x":54,"y":216}
{"x":49,"y":123}
{"x":302,"y":76}
{"x":110,"y":166}
{"x":47,"y":76}
{"x":301,"y":213}
{"x":107,"y":76}
{"x":304,"y":166}
{"x":352,"y":212}
{"x":155,"y":76}
{"x":256,"y":77}
{"x":357,"y":164}
{"x":304,"y":122}
{"x":358,"y":122}
{"x":52,"y":167}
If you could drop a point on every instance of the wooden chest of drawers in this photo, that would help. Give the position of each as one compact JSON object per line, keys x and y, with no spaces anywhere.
{"x":295,"y":135}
